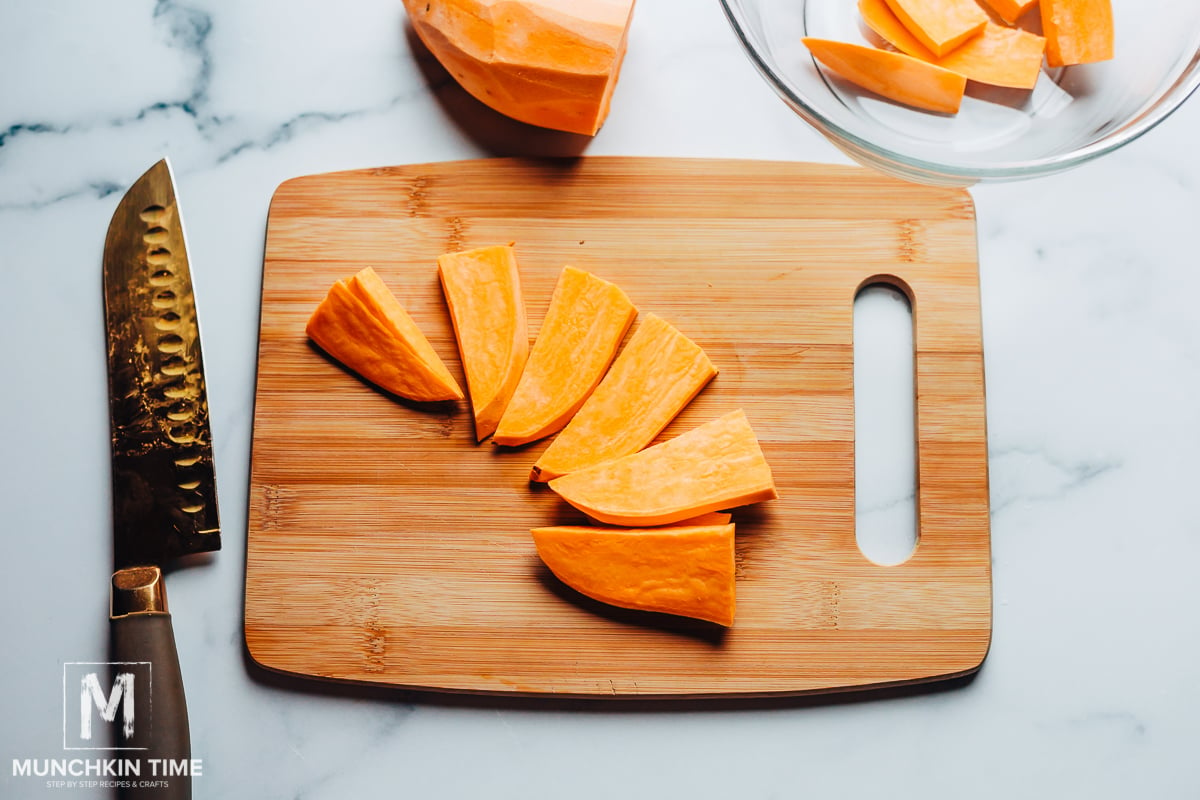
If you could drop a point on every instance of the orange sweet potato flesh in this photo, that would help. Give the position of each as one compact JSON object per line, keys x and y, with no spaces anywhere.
{"x":999,"y":55}
{"x":657,"y":373}
{"x":686,"y":571}
{"x":582,"y":330}
{"x":1010,"y":10}
{"x":896,"y":76}
{"x":362,"y":324}
{"x":482,"y":287}
{"x":1077,"y":31}
{"x":552,"y":63}
{"x":941,"y":25}
{"x":711,"y":518}
{"x":718,"y":465}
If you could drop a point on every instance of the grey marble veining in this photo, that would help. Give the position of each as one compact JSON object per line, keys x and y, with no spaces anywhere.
{"x":1090,"y":286}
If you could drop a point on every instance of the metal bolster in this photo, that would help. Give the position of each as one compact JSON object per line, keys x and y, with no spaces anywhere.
{"x":137,"y":590}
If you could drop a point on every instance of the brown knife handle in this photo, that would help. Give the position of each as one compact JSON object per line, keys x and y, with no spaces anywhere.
{"x":141,"y":632}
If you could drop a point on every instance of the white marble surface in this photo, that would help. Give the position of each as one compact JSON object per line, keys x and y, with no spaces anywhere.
{"x":1090,"y":288}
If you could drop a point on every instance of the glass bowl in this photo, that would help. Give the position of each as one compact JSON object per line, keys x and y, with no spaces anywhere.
{"x":1072,"y":115}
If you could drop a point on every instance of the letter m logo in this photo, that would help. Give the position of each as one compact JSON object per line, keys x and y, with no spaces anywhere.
{"x":122,"y":695}
{"x":111,"y":708}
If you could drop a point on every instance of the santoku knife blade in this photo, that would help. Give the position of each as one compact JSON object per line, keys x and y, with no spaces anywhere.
{"x":164,"y":488}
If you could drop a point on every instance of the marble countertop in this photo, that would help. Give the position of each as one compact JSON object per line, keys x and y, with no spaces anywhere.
{"x":1090,"y":283}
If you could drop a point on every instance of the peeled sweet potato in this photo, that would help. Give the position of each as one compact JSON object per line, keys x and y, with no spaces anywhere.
{"x":1077,"y":31}
{"x":998,"y":56}
{"x":896,"y":76}
{"x":579,"y":337}
{"x":483,"y":292}
{"x":362,"y":324}
{"x":1010,"y":10}
{"x":686,"y":571}
{"x":941,"y":25}
{"x":711,"y":518}
{"x":717,"y":466}
{"x":657,"y":373}
{"x":553,"y":63}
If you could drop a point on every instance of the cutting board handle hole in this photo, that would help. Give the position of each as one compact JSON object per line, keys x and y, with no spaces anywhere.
{"x":885,"y":460}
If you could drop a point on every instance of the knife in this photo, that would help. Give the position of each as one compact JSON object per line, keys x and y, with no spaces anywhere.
{"x":163,"y":483}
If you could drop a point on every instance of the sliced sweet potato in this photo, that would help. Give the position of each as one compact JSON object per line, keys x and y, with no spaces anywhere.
{"x":686,"y":571}
{"x":716,"y":466}
{"x":1010,"y":10}
{"x":579,"y":337}
{"x":941,"y":25}
{"x":999,"y":55}
{"x":711,"y":518}
{"x":1077,"y":31}
{"x":553,"y":63}
{"x":896,"y":76}
{"x":362,"y":324}
{"x":657,"y":373}
{"x":483,"y":292}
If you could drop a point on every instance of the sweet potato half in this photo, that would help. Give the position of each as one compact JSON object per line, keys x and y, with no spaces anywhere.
{"x":717,"y":466}
{"x":686,"y":571}
{"x":553,"y":63}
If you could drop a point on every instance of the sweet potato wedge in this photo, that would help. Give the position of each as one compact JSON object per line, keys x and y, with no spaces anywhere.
{"x":579,"y":338}
{"x":1010,"y":10}
{"x":711,"y":518}
{"x":998,"y":56}
{"x":483,"y":292}
{"x":686,"y":571}
{"x":716,"y":466}
{"x":941,"y":25}
{"x":1077,"y":31}
{"x":362,"y":324}
{"x":896,"y":76}
{"x":657,"y":373}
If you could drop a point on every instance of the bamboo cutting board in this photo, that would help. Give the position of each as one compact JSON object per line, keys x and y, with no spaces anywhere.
{"x":386,"y":546}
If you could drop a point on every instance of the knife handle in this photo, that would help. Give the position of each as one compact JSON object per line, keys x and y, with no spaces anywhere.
{"x":141,"y":631}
